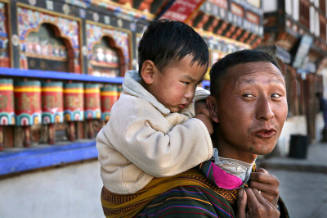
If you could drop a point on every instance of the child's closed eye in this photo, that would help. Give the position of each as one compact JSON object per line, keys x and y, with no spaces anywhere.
{"x":186,"y":82}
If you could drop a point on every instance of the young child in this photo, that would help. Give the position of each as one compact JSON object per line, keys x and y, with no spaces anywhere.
{"x":151,"y":132}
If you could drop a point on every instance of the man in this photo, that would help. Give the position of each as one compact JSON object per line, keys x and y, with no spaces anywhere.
{"x":248,"y":108}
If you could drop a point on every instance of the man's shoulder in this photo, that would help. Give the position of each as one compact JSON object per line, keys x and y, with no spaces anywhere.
{"x":189,"y":201}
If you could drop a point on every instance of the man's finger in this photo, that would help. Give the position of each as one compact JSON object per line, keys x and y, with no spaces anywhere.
{"x":264,"y":178}
{"x":270,"y":189}
{"x":261,"y":170}
{"x":241,"y":204}
{"x":252,"y":200}
{"x":259,"y":196}
{"x":266,"y":188}
{"x":258,"y":206}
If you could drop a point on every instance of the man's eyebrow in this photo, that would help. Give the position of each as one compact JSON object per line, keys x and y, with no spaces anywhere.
{"x":250,"y":81}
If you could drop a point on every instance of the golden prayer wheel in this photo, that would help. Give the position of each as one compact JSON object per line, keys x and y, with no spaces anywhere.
{"x":109,"y":95}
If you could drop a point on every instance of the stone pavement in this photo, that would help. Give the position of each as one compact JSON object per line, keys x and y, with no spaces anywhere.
{"x":316,"y":160}
{"x":303,"y":182}
{"x":71,"y":191}
{"x":74,"y":190}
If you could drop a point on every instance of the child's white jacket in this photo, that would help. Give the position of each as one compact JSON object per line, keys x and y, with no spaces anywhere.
{"x":143,"y":139}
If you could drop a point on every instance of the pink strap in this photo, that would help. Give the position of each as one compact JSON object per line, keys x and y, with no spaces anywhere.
{"x":225,"y":180}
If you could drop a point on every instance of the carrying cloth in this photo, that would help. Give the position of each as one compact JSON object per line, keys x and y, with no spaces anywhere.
{"x":115,"y":205}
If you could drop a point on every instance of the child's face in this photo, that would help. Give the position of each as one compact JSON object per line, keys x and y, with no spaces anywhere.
{"x":175,"y":85}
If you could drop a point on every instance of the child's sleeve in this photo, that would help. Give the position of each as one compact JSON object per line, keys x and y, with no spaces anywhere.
{"x":200,"y":94}
{"x":140,"y":136}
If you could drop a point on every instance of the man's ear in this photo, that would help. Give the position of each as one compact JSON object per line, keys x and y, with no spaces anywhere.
{"x":148,"y":71}
{"x":213,"y":109}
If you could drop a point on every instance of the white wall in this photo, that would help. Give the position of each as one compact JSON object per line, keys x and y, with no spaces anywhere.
{"x":297,"y":125}
{"x":269,"y":5}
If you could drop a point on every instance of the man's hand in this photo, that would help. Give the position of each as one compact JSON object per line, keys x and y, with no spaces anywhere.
{"x":252,"y":204}
{"x":266,"y":183}
{"x":202,"y":113}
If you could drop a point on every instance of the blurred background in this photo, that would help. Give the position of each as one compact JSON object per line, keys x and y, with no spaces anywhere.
{"x":62,"y":65}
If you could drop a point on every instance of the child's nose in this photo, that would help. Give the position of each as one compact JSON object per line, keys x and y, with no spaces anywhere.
{"x":189,"y":94}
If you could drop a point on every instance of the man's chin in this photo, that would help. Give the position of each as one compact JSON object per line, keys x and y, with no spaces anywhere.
{"x":264,"y":152}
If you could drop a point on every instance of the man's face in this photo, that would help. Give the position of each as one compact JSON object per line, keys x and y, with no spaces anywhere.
{"x":251,"y":109}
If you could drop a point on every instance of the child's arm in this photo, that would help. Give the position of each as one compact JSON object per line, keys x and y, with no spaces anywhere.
{"x":138,"y":134}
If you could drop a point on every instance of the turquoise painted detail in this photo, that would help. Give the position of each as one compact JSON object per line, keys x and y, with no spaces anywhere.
{"x":7,"y":119}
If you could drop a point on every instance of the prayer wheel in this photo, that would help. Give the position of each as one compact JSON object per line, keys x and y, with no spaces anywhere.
{"x":27,"y":106}
{"x":52,"y":107}
{"x":73,"y":101}
{"x":92,"y":107}
{"x":109,"y":95}
{"x":92,"y":101}
{"x":7,"y":109}
{"x":73,"y":106}
{"x":28,"y":102}
{"x":52,"y":102}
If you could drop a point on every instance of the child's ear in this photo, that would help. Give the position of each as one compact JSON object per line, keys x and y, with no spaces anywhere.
{"x":212,"y":107}
{"x":147,"y":71}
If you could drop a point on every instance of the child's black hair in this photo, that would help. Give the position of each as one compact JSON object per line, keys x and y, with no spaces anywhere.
{"x":165,"y":41}
{"x":219,"y":69}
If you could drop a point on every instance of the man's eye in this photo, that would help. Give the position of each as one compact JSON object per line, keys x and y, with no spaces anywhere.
{"x":247,"y":95}
{"x":185,"y":82}
{"x":276,"y":95}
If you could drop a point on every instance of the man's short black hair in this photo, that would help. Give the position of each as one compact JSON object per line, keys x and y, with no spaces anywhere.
{"x":219,"y":69}
{"x":165,"y":41}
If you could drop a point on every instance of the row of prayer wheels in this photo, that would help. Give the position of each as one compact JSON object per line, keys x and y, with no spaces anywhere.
{"x":27,"y":103}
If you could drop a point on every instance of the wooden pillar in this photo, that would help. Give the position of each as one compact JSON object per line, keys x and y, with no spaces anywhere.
{"x":213,"y":25}
{"x":244,"y":36}
{"x":145,"y":5}
{"x":310,"y":106}
{"x":222,"y":28}
{"x":229,"y":32}
{"x":27,"y":136}
{"x":128,"y":3}
{"x":250,"y":38}
{"x":193,"y":17}
{"x":204,"y":19}
{"x":71,"y":133}
{"x":237,"y":33}
{"x":257,"y":42}
{"x":14,"y":46}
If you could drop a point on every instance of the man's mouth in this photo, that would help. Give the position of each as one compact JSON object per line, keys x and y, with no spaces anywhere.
{"x":266,"y":133}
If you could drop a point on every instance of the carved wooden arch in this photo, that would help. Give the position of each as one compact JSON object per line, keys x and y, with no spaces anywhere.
{"x":66,"y":41}
{"x":119,"y":51}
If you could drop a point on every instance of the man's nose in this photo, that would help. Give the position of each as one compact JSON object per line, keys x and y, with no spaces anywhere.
{"x":264,"y":109}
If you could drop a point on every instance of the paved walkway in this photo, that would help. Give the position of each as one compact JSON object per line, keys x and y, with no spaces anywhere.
{"x":71,"y":191}
{"x":303,"y":182}
{"x":316,"y":160}
{"x":74,"y":190}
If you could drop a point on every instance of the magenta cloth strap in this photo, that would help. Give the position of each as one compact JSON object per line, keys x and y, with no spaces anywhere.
{"x":219,"y":176}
